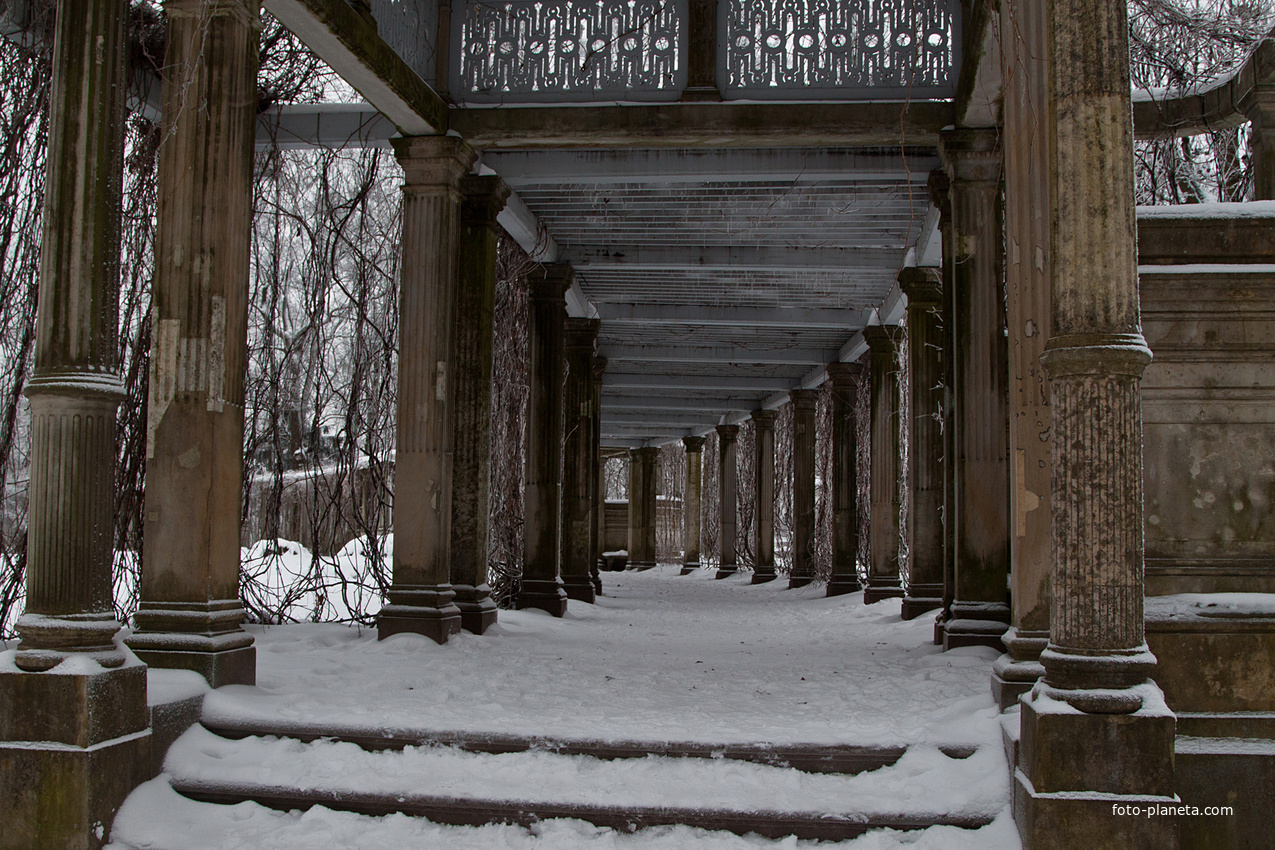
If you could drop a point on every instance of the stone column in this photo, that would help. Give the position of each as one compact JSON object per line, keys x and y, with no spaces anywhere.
{"x":421,"y":599}
{"x":940,"y":195}
{"x":764,"y":468}
{"x":1259,"y":108}
{"x":483,"y":199}
{"x":1079,"y":728}
{"x":642,"y":508}
{"x":75,"y":740}
{"x":883,"y":541}
{"x":597,"y":493}
{"x":577,"y":471}
{"x":803,"y":487}
{"x":190,"y":612}
{"x":727,"y":499}
{"x":924,"y":288}
{"x":692,"y":503}
{"x":1027,"y":304}
{"x":845,"y":379}
{"x":541,"y":586}
{"x":980,"y":609}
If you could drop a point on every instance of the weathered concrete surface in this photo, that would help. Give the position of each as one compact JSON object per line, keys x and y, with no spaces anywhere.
{"x":541,"y":585}
{"x":190,"y":612}
{"x":1217,"y":772}
{"x":1027,"y":275}
{"x":693,"y":504}
{"x":577,"y":467}
{"x":845,"y":379}
{"x":764,"y":470}
{"x":884,"y":581}
{"x":483,"y":197}
{"x":924,"y":290}
{"x":979,"y":612}
{"x":727,"y":435}
{"x":803,"y":486}
{"x":642,"y":508}
{"x":421,"y":598}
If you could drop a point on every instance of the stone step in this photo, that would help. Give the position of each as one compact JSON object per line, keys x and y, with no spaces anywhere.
{"x":450,"y":785}
{"x":810,"y":758}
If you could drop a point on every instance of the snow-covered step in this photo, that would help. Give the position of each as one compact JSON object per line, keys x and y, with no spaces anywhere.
{"x":451,"y":786}
{"x":811,"y":758}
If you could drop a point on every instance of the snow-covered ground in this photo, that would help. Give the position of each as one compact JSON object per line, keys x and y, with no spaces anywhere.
{"x":658,"y":658}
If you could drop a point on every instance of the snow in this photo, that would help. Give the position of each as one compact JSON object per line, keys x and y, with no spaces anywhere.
{"x":1191,"y":605}
{"x":169,"y":686}
{"x":1208,"y":268}
{"x":658,"y":658}
{"x":1215,"y":210}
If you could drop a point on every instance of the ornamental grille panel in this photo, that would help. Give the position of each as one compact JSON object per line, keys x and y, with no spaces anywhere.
{"x":839,"y":49}
{"x":559,"y":50}
{"x":408,"y":27}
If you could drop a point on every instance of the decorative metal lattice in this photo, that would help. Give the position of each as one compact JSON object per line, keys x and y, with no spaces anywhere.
{"x":840,"y":48}
{"x":560,"y":50}
{"x":408,"y":27}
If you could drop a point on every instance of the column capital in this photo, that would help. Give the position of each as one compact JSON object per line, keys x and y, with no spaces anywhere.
{"x":763,"y":418}
{"x":971,"y":155}
{"x":727,"y":433}
{"x":881,"y":339}
{"x":433,"y":161}
{"x":693,"y":444}
{"x":923,"y":285}
{"x":939,"y":185}
{"x":582,"y":333}
{"x":844,"y":376}
{"x":644,"y":455}
{"x":484,"y":196}
{"x":550,"y":282}
{"x":803,"y":400}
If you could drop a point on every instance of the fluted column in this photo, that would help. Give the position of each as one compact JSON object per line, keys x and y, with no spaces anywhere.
{"x":727,"y":471}
{"x":190,"y":612}
{"x":541,"y":585}
{"x":764,"y":469}
{"x":421,"y":598}
{"x":940,"y":195}
{"x":482,"y":200}
{"x":642,"y":508}
{"x":845,"y":379}
{"x":692,"y":503}
{"x":75,"y":741}
{"x":1027,"y":275}
{"x":1079,"y":728}
{"x":980,"y":610}
{"x":597,"y":492}
{"x":923,"y":288}
{"x":883,"y":532}
{"x":803,"y":486}
{"x":577,"y":471}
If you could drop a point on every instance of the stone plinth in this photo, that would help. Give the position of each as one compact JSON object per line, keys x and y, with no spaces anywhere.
{"x":577,"y":469}
{"x":803,"y":486}
{"x":924,"y":289}
{"x":884,"y":581}
{"x":541,"y":585}
{"x":727,"y":436}
{"x":845,"y":379}
{"x":642,"y":508}
{"x":693,"y":503}
{"x":421,"y":598}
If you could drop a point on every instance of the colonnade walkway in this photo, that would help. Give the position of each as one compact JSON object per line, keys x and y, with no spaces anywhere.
{"x":832,"y":716}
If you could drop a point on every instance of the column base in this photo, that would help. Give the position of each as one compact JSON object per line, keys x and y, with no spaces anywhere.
{"x":975,"y":624}
{"x":878,"y":588}
{"x":201,"y":636}
{"x":1087,"y":780}
{"x":637,"y":566}
{"x":921,"y":598}
{"x":795,"y":582}
{"x":579,"y":588}
{"x":223,"y":667}
{"x":841,"y":583}
{"x":940,"y":625}
{"x":72,"y":747}
{"x":1015,"y":672}
{"x":543,"y":594}
{"x":763,"y":576}
{"x":726,"y":571}
{"x":689,"y":567}
{"x":477,"y":608}
{"x":428,"y":610}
